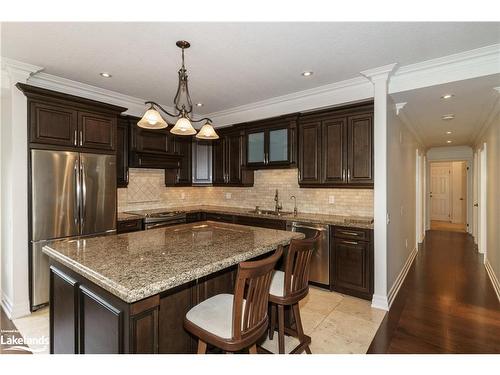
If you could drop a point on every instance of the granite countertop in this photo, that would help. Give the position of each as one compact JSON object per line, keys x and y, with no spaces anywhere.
{"x":347,"y":221}
{"x":133,"y":266}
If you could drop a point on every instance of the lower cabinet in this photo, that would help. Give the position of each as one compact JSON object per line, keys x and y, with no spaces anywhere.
{"x":352,"y":261}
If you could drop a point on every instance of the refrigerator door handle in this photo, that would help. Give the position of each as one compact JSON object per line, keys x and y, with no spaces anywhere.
{"x":83,"y":195}
{"x":77,"y":194}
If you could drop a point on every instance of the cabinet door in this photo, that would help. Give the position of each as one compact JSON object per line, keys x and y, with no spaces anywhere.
{"x":256,"y":149}
{"x":53,"y":125}
{"x":153,"y":141}
{"x":202,"y":163}
{"x":234,"y":151}
{"x":96,"y":131}
{"x":309,"y":152}
{"x":183,"y":148}
{"x":218,"y":162}
{"x":352,"y":266}
{"x":334,"y":161}
{"x":122,"y":138}
{"x":360,"y":149}
{"x":278,"y":151}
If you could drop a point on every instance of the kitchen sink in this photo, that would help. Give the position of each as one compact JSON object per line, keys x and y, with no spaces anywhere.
{"x":270,"y":212}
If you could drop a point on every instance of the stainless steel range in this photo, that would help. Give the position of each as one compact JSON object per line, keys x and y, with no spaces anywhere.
{"x":160,"y":217}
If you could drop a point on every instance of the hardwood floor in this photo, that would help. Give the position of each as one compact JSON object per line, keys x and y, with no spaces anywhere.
{"x":446,"y":225}
{"x":7,"y":329}
{"x":446,"y":304}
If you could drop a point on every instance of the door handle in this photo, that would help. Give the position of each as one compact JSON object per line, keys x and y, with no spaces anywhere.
{"x":77,"y":194}
{"x":476,"y":205}
{"x":84,"y":194}
{"x":461,"y":199}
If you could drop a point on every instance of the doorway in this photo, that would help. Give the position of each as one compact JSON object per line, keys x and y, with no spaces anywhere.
{"x":481,"y":204}
{"x":448,"y":196}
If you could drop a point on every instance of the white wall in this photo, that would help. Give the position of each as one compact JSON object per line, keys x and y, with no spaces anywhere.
{"x":452,"y":153}
{"x":402,"y":148}
{"x":491,"y":136}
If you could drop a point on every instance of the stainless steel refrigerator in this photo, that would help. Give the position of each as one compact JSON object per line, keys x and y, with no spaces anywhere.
{"x":72,"y":194}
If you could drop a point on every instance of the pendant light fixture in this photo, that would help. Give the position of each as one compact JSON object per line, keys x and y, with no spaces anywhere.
{"x":152,"y":118}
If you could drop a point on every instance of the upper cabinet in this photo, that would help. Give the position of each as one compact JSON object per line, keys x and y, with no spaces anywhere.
{"x":228,"y":159}
{"x":336,"y":148}
{"x":181,"y":176}
{"x":122,"y":148}
{"x":271,"y":143}
{"x":70,"y":122}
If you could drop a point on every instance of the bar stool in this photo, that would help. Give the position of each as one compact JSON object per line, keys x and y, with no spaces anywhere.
{"x":235,"y":322}
{"x":288,"y":288}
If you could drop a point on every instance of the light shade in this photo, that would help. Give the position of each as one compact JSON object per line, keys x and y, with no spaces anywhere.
{"x":183,"y":127}
{"x":207,"y":132}
{"x":152,"y":120}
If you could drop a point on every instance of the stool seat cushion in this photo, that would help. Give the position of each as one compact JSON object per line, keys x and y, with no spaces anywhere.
{"x":214,"y":315}
{"x":278,"y":284}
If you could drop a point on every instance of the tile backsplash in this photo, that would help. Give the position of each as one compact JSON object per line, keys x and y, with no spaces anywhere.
{"x":147,"y":189}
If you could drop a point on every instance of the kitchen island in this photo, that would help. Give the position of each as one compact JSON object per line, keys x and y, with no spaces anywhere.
{"x":129,"y":293}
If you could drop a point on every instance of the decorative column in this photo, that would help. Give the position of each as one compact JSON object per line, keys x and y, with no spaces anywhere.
{"x":14,"y":189}
{"x":380,"y":79}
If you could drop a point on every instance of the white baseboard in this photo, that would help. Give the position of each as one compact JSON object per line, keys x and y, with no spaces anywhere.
{"x":6,"y":304}
{"x":493,"y":278}
{"x":380,"y":302}
{"x":393,"y":292}
{"x":14,"y":311}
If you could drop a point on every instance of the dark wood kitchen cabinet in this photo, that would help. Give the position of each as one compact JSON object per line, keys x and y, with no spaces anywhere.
{"x":182,"y":176}
{"x":336,"y":148}
{"x":67,"y":122}
{"x":228,"y":158}
{"x":122,"y":149}
{"x":271,"y":143}
{"x":352,"y":261}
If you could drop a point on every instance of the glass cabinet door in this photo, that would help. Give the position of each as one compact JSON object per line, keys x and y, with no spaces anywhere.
{"x":256,"y":153}
{"x":278,"y":145}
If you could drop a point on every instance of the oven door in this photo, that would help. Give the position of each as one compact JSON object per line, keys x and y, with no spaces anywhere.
{"x":161,"y":224}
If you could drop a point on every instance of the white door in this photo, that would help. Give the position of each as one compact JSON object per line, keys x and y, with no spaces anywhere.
{"x":440,"y":191}
{"x":459,"y":192}
{"x":482,"y":225}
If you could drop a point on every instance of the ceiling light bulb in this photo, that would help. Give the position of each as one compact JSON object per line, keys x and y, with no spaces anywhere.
{"x":448,"y":132}
{"x":447,"y":96}
{"x":448,"y":141}
{"x":307,"y":73}
{"x":183,"y":127}
{"x":449,"y":116}
{"x":152,"y":120}
{"x":105,"y":75}
{"x":199,"y":104}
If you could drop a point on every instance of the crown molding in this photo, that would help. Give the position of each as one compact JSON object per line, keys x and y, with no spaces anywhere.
{"x":456,"y":67}
{"x":381,"y":73}
{"x":18,"y":67}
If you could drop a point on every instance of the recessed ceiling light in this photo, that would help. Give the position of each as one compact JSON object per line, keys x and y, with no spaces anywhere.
{"x":448,"y":132}
{"x":449,"y":116}
{"x":307,"y":73}
{"x":447,"y":96}
{"x":448,"y":141}
{"x":199,"y":104}
{"x":105,"y":75}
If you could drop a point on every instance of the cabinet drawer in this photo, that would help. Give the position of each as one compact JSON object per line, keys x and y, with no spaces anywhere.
{"x":129,"y":226}
{"x":352,"y":233}
{"x":220,"y":217}
{"x":260,"y":222}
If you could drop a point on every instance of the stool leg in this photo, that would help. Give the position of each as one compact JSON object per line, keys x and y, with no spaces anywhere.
{"x":281,"y":329}
{"x":202,"y":347}
{"x":298,"y":325}
{"x":253,"y":349}
{"x":272,"y":325}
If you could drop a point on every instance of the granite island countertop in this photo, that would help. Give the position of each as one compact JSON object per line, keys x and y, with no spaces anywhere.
{"x":134,"y":266}
{"x":340,"y":220}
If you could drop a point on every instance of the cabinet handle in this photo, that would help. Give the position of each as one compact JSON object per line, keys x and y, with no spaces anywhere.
{"x":127,"y":176}
{"x":299,"y":175}
{"x":76,"y":138}
{"x":351,"y":242}
{"x":349,"y":174}
{"x":343,"y":174}
{"x":81,"y":137}
{"x":350,"y":233}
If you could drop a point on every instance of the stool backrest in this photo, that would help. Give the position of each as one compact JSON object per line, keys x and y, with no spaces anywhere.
{"x":297,"y":263}
{"x":251,"y":294}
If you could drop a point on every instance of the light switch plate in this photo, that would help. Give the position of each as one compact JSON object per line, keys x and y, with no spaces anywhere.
{"x":183,"y":195}
{"x":228,"y":195}
{"x":331,"y":199}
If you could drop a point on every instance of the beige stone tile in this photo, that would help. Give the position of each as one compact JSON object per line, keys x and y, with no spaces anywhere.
{"x":324,"y":342}
{"x":310,"y":320}
{"x":272,"y":345}
{"x":320,"y":301}
{"x":35,"y":326}
{"x":349,"y":326}
{"x":360,"y":309}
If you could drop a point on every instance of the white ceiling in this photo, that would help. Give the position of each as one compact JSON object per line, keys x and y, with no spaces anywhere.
{"x":231,"y":64}
{"x":473,"y":101}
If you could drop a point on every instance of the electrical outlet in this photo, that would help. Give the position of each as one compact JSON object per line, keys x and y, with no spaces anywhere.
{"x":331,"y":199}
{"x":183,"y":195}
{"x":228,"y":195}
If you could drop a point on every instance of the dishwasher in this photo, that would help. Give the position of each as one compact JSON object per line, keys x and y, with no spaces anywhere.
{"x":319,"y":273}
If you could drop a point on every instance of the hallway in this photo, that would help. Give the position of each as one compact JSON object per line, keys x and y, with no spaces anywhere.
{"x":446,"y":304}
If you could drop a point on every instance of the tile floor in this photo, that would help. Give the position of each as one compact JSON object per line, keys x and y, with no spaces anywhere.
{"x":335,"y":322}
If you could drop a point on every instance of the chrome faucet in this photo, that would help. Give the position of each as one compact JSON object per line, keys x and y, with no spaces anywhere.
{"x":294,"y":205}
{"x":277,"y":205}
